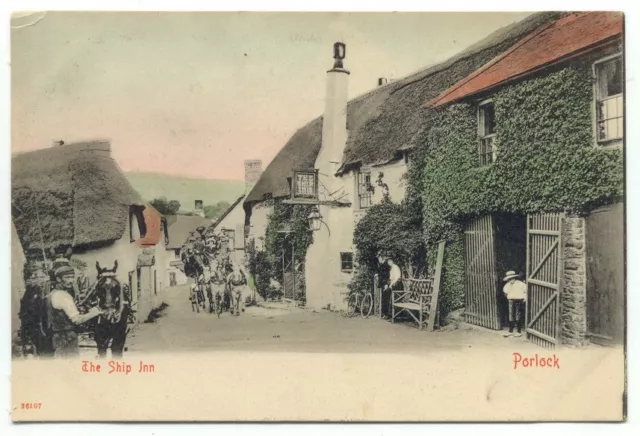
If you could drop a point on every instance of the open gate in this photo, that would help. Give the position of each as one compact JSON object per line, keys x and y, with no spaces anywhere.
{"x":481,"y":305}
{"x":544,"y":278}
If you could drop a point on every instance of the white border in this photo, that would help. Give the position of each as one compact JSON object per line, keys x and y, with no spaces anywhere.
{"x":632,"y":53}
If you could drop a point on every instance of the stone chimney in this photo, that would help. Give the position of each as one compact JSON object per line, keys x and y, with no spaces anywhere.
{"x":382,"y":81}
{"x":334,"y":122}
{"x":252,"y":172}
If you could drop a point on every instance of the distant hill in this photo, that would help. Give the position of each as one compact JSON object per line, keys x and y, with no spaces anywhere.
{"x":185,"y":190}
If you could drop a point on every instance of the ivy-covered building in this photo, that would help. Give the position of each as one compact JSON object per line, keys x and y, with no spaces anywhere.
{"x":335,"y":161}
{"x":521,"y":168}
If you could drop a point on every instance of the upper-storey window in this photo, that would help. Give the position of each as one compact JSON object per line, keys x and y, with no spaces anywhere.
{"x":364,"y":190}
{"x":609,"y":99}
{"x":486,"y":133}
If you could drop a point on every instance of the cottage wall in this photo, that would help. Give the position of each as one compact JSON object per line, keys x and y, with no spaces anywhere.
{"x":181,"y":278}
{"x":259,"y":221}
{"x":392,"y":176}
{"x":126,"y":253}
{"x":326,"y":283}
{"x":573,"y":296}
{"x":17,"y":279}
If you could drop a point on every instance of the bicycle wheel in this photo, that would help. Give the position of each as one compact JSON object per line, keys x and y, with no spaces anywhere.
{"x":367,"y":306}
{"x":352,"y":305}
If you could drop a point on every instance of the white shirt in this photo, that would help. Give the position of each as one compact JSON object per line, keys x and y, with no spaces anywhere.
{"x":516,"y":290}
{"x":61,"y":300}
{"x":394,"y":275}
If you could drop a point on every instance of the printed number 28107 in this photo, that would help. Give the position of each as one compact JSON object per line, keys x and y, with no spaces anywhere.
{"x":30,"y":405}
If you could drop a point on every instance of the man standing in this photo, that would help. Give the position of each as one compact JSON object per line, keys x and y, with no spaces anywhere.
{"x":394,"y":284}
{"x":516,"y":293}
{"x":64,"y":315}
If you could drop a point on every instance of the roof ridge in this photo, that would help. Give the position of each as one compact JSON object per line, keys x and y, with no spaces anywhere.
{"x":492,"y":62}
{"x":226,"y":212}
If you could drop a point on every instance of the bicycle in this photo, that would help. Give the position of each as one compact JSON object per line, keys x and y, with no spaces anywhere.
{"x":363,"y":300}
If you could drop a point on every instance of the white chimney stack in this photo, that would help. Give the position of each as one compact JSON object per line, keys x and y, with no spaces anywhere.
{"x":199,"y":208}
{"x":334,"y":123}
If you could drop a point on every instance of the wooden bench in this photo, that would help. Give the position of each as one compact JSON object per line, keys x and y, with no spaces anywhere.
{"x":419,"y":298}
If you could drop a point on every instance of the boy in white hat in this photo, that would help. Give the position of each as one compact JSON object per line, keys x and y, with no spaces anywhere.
{"x":516,"y":293}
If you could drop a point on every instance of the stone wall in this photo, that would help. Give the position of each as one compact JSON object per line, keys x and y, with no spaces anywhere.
{"x":573,"y":297}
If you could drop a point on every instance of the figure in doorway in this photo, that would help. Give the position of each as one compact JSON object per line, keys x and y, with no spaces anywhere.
{"x":516,"y":292}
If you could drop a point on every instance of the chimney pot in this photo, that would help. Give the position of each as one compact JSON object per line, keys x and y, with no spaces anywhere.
{"x":339,"y":53}
{"x":382,"y":81}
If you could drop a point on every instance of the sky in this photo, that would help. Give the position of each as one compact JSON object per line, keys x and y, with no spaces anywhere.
{"x":196,"y":93}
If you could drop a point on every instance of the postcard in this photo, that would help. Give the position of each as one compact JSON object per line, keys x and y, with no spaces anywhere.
{"x":313,"y":216}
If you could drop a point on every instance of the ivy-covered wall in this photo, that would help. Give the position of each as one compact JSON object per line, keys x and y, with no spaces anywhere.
{"x":267,"y":263}
{"x":546,"y":161}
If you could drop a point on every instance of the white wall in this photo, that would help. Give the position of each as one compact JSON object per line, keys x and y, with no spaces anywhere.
{"x":181,"y":278}
{"x":326,"y":283}
{"x":259,"y":223}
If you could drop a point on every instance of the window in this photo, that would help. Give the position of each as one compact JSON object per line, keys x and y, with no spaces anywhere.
{"x":346,"y":262}
{"x":486,"y":134}
{"x":609,"y":99}
{"x":365,"y":190}
{"x":406,"y":157}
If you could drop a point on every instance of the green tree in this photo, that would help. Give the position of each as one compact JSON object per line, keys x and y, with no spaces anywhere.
{"x":164,"y":206}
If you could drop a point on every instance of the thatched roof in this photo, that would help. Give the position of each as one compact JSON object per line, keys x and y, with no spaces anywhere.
{"x":180,"y":226}
{"x":73,"y":194}
{"x":389,"y":118}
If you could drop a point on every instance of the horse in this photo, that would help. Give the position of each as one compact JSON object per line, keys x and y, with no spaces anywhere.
{"x":236,"y":281}
{"x":111,"y":297}
{"x":218,"y":281}
{"x":197,"y":266}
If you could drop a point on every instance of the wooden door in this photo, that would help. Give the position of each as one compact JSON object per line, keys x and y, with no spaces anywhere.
{"x":605,"y":275}
{"x":545,"y":257}
{"x":481,"y":296}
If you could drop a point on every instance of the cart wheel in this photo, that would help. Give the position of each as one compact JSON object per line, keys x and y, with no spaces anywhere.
{"x":352,"y":305}
{"x":367,"y":306}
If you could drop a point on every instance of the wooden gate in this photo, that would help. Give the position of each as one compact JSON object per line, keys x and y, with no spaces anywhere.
{"x":481,"y":302}
{"x":545,"y":257}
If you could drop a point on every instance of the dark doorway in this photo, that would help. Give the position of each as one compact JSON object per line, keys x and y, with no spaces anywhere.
{"x":511,"y":254}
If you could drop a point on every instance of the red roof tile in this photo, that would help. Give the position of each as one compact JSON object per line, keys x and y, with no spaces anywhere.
{"x":152,"y":219}
{"x":571,"y":35}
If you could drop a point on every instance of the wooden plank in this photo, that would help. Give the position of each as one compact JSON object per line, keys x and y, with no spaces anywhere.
{"x":560,"y":281}
{"x":544,"y":284}
{"x":492,"y":266}
{"x":541,"y":335}
{"x":540,"y":311}
{"x":436,"y":288}
{"x":528,"y":261}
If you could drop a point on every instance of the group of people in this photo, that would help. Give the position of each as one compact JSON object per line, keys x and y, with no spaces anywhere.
{"x":210,"y":265}
{"x":514,"y":290}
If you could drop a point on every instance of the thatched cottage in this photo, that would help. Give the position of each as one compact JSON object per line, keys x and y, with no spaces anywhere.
{"x":340,"y":155}
{"x":75,"y":195}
